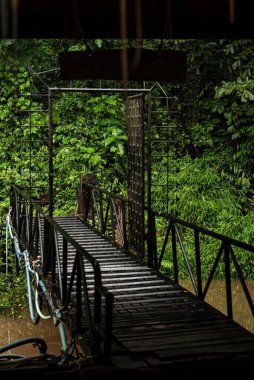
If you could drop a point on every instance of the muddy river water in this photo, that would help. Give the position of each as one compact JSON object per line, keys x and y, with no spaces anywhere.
{"x":12,"y":329}
{"x":216,"y":297}
{"x":15,"y":328}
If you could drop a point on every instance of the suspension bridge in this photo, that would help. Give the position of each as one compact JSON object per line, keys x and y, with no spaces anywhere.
{"x":99,"y":272}
{"x":123,"y":314}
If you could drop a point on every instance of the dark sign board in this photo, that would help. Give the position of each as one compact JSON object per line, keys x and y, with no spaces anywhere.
{"x":142,"y":64}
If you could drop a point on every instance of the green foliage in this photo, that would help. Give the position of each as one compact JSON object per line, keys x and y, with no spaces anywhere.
{"x":13,"y":289}
{"x":204,"y":197}
{"x":89,"y":137}
{"x":237,"y":110}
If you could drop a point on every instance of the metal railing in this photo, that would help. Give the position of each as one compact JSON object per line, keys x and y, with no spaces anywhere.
{"x":39,"y":233}
{"x":227,"y":247}
{"x":106,"y":212}
{"x":100,"y":208}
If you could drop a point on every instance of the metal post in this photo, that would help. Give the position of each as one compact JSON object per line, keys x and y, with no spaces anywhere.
{"x":112,"y":217}
{"x":30,"y":224}
{"x":64,"y":283}
{"x":102,"y":224}
{"x":228,"y":283}
{"x":97,"y":309}
{"x":50,"y":150}
{"x":152,"y":261}
{"x":78,"y":296}
{"x":174,"y":252}
{"x":86,"y":295}
{"x":52,"y":252}
{"x":109,"y":299}
{"x":16,"y":218}
{"x":149,"y":149}
{"x":46,"y":253}
{"x":151,"y":235}
{"x":198,"y":263}
{"x":125,"y":245}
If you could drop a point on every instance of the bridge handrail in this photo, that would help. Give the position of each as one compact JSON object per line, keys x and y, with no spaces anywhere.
{"x":95,"y":327}
{"x":226,"y":247}
{"x":203,"y":230}
{"x":114,"y":203}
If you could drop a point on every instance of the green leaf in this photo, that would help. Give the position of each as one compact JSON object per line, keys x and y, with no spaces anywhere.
{"x":98,"y":42}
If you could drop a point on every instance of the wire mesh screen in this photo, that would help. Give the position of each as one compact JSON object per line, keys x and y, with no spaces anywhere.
{"x":135,"y":112}
{"x":162,"y":142}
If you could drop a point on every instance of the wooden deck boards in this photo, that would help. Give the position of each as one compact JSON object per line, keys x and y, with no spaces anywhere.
{"x":156,"y":322}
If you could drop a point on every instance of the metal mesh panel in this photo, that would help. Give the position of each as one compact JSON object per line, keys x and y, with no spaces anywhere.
{"x":162,"y":140}
{"x":135,"y":105}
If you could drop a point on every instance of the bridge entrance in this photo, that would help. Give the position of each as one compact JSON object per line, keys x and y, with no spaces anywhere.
{"x":113,"y":298}
{"x":151,"y":138}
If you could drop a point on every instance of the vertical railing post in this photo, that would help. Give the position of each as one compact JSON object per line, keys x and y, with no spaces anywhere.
{"x":152,"y":260}
{"x":198,"y":263}
{"x":228,"y":283}
{"x":46,"y":253}
{"x":30,"y":228}
{"x":174,"y":253}
{"x":16,"y":211}
{"x":97,"y":309}
{"x":36,"y":235}
{"x":112,"y":218}
{"x":64,"y":263}
{"x":109,"y":299}
{"x":50,"y":151}
{"x":102,"y":227}
{"x":78,"y":296}
{"x":19,"y":214}
{"x":41,"y":245}
{"x":85,"y":293}
{"x":71,"y":282}
{"x":58,"y":264}
{"x":86,"y":193}
{"x":92,"y":207}
{"x":125,"y":244}
{"x":107,"y":214}
{"x":26,"y":222}
{"x":52,"y":249}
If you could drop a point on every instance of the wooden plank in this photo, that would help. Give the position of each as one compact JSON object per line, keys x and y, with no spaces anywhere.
{"x":174,"y":332}
{"x":223,"y":349}
{"x":190,"y":339}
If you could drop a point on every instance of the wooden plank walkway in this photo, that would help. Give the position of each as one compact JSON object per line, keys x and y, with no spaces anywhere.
{"x":156,"y":323}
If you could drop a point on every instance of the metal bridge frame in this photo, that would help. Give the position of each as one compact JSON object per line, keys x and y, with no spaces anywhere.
{"x":28,"y":218}
{"x":138,"y":232}
{"x":173,"y":238}
{"x":30,"y":235}
{"x":138,"y":164}
{"x":52,"y":92}
{"x":39,"y":234}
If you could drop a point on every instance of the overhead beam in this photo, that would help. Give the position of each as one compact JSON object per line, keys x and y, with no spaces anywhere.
{"x":142,"y":64}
